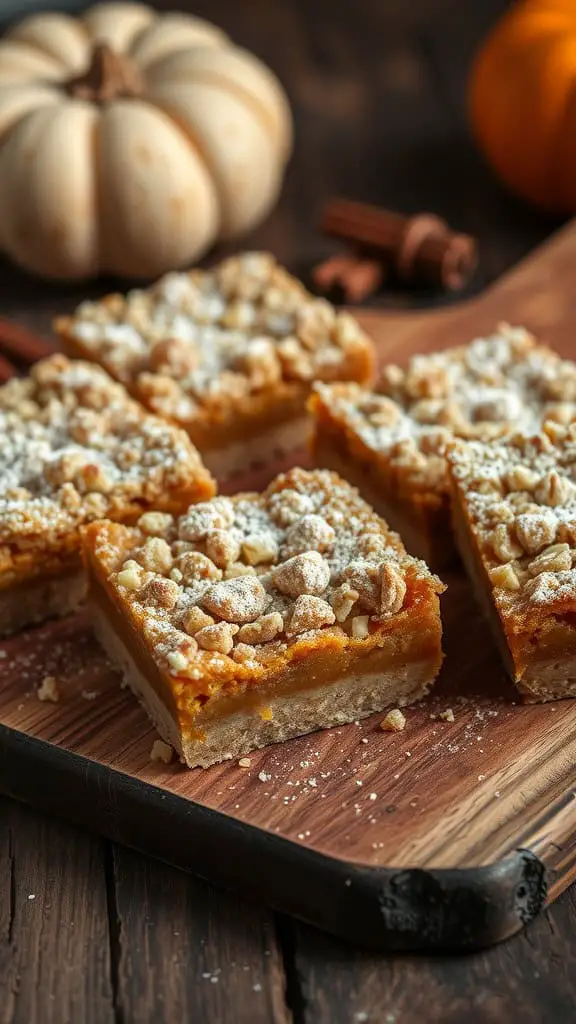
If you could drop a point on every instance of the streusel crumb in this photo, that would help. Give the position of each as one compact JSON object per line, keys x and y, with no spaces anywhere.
{"x":161,"y":752}
{"x":49,"y":690}
{"x":520,"y":497}
{"x":481,"y":391}
{"x":74,"y":447}
{"x":199,"y":342}
{"x":395,"y":721}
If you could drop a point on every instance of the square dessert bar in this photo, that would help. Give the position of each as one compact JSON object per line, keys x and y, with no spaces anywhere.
{"x":229,"y":354}
{"x":75,"y":447}
{"x":514,"y":510}
{"x":252,"y":619}
{"x":392,"y":443}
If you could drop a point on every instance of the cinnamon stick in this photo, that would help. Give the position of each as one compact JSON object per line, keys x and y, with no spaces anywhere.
{"x":357,"y":278}
{"x":22,"y":343}
{"x":419,"y":249}
{"x":6,"y":370}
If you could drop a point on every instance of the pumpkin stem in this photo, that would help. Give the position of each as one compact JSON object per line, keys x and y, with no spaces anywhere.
{"x":108,"y":76}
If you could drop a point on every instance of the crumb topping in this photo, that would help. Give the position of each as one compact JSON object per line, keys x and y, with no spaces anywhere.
{"x":353,"y":574}
{"x":194,"y":339}
{"x":520,"y":497}
{"x":480,"y":391}
{"x":74,"y":447}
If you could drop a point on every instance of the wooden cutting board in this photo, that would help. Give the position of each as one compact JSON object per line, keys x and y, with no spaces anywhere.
{"x":449,"y":835}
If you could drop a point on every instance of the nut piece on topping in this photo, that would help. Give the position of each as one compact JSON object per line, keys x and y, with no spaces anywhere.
{"x":307,"y":573}
{"x":556,"y":558}
{"x":155,"y":555}
{"x":239,"y":600}
{"x":535,"y":531}
{"x":287,"y":506}
{"x":553,"y":489}
{"x":364,"y":578}
{"x":131,"y":575}
{"x":194,"y":565}
{"x":309,"y":613}
{"x":219,"y":637}
{"x":259,"y":548}
{"x":238,"y":569}
{"x":311,"y":533}
{"x":505,"y":577}
{"x":195,"y":619}
{"x":343,"y":600}
{"x":223,"y":547}
{"x":155,"y":524}
{"x":262,"y":630}
{"x":503,"y":544}
{"x":393,"y":589}
{"x":217,"y":514}
{"x":360,"y":627}
{"x":160,"y":593}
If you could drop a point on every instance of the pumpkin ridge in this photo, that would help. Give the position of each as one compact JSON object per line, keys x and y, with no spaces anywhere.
{"x":34,"y":51}
{"x":195,"y":144}
{"x":259,"y":110}
{"x":37,"y":45}
{"x":49,"y":88}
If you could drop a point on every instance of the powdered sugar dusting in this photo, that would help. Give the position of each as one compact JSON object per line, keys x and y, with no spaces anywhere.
{"x":195,"y":340}
{"x":74,"y":447}
{"x":479,"y":391}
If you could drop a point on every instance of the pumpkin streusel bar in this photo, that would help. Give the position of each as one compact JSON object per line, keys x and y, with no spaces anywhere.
{"x":253,"y":619}
{"x":75,"y":447}
{"x":514,"y":508}
{"x":229,"y":354}
{"x":392,"y":443}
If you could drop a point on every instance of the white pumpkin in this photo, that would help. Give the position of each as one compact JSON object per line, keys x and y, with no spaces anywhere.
{"x":131,"y":141}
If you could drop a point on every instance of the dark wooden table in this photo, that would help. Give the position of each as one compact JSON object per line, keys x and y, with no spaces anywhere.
{"x":91,"y":933}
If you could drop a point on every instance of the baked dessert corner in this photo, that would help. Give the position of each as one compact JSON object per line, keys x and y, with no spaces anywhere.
{"x":228,"y":354}
{"x":392,"y":442}
{"x":75,"y":447}
{"x":253,"y":619}
{"x":514,"y":512}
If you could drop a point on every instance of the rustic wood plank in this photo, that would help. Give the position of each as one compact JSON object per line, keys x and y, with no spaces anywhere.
{"x":54,"y":948}
{"x":530,"y":979}
{"x":188,"y":952}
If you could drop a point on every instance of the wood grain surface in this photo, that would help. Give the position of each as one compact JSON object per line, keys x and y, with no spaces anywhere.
{"x":378,"y":95}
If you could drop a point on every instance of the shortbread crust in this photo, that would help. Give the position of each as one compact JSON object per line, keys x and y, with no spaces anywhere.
{"x":229,"y":354}
{"x":395,"y":439}
{"x":257,"y":618}
{"x":75,"y":447}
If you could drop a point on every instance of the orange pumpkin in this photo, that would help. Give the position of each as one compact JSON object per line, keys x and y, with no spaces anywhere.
{"x":523,"y":101}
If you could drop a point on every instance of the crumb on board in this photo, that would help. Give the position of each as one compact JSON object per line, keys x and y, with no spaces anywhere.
{"x":161,"y":752}
{"x":90,"y":694}
{"x":244,"y":762}
{"x":394,"y":721}
{"x":447,"y":716}
{"x":48,"y":690}
{"x":264,"y":777}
